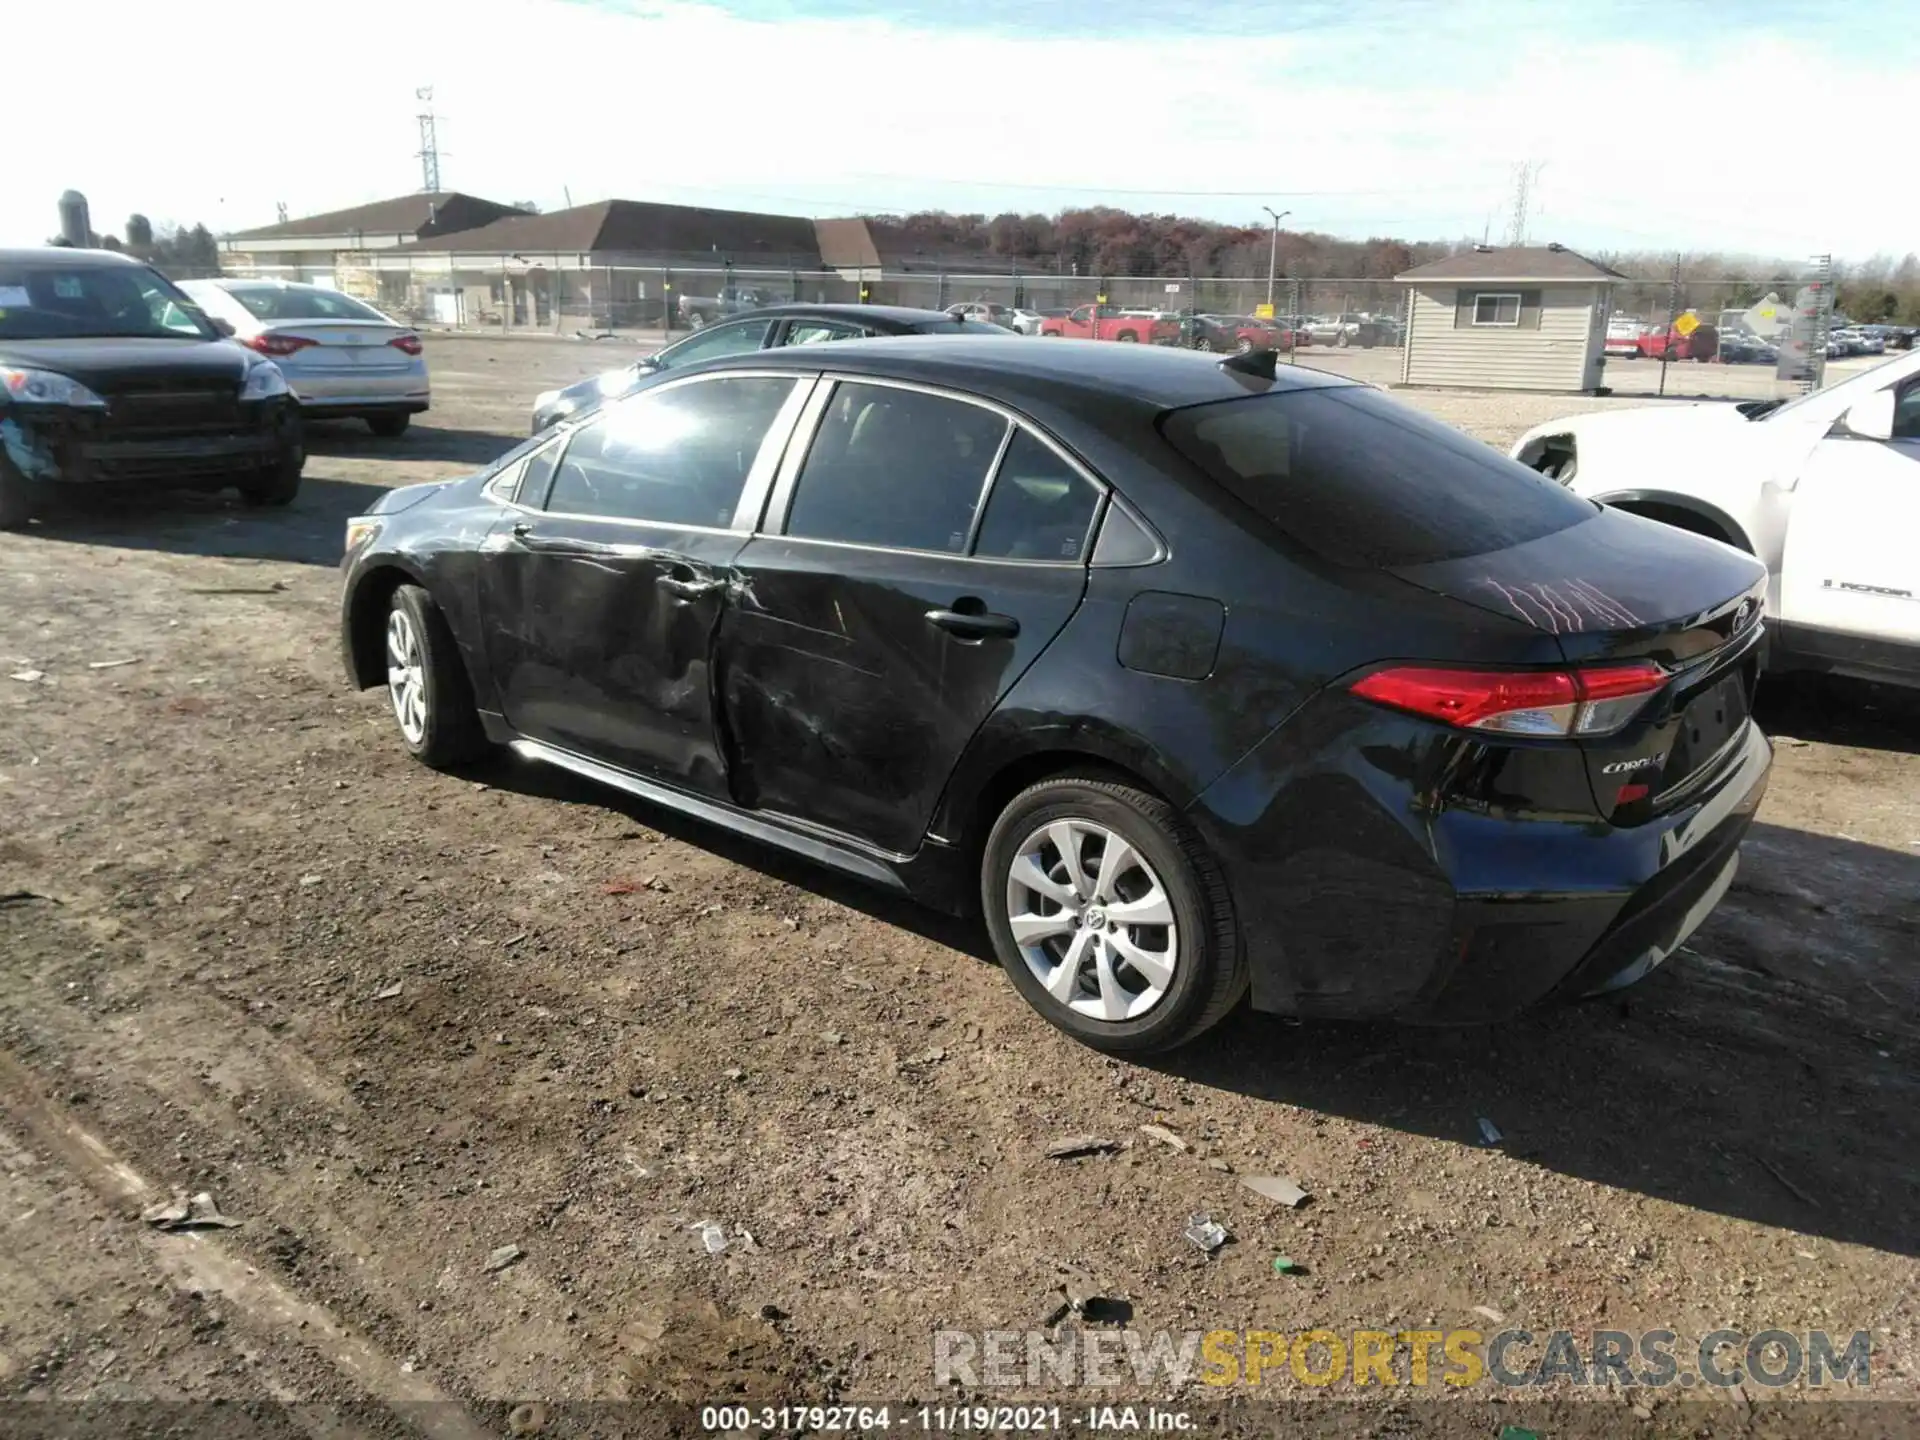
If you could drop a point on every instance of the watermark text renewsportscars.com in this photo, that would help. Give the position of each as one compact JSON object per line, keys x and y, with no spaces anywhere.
{"x":1361,"y":1359}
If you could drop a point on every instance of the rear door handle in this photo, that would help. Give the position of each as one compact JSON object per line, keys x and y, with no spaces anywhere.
{"x":974,"y":627}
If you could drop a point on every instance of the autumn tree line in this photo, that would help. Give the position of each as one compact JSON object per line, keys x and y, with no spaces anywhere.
{"x":1103,"y":241}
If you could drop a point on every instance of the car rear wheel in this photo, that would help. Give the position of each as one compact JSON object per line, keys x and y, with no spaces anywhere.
{"x":1110,"y":916}
{"x":389,"y":427}
{"x":1127,"y":337}
{"x":1244,"y":345}
{"x":427,"y":683}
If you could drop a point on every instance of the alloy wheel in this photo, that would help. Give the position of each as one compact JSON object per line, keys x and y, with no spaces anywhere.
{"x":406,"y":677}
{"x":1092,"y":920}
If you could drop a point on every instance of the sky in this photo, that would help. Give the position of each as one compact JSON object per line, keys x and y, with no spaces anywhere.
{"x":1654,"y":124}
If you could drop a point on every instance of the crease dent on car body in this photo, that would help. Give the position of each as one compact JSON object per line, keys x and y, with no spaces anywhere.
{"x":1194,"y":679}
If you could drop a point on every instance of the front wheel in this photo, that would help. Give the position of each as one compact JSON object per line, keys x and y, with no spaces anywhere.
{"x":17,"y":497}
{"x":1110,"y":916}
{"x":278,"y":484}
{"x":427,"y":683}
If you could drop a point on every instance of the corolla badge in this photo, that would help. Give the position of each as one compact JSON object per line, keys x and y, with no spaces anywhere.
{"x":1627,"y":767}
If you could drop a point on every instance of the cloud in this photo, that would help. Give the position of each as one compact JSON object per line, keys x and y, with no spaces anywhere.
{"x":1658,"y":125}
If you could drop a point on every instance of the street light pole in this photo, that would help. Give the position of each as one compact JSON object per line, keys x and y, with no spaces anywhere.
{"x":1273,"y":253}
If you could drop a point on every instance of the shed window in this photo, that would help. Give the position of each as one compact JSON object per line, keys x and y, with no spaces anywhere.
{"x":1497,"y":309}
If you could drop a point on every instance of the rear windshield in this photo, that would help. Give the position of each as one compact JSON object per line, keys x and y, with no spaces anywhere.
{"x":275,"y":304}
{"x":1362,"y":480}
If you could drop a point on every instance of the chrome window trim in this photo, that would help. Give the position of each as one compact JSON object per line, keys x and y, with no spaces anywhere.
{"x":774,"y":525}
{"x":756,"y":483}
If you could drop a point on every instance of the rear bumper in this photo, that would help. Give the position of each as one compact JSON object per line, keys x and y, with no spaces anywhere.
{"x":1355,"y":904}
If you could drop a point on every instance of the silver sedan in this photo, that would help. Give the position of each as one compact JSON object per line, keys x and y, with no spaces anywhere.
{"x":342,"y":358}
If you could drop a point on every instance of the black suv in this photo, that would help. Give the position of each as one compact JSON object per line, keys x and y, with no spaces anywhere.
{"x":111,"y":377}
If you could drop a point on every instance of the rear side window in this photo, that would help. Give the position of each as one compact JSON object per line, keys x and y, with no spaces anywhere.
{"x":897,"y":468}
{"x":1364,"y":481}
{"x":1040,"y":509}
{"x":272,"y":303}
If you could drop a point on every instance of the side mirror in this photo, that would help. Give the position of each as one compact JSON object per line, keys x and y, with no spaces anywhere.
{"x":225,"y":327}
{"x":1871,"y":418}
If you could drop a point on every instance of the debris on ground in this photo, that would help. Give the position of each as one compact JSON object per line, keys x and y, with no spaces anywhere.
{"x":1071,"y":1147}
{"x":501,"y":1258}
{"x":1281,"y":1189}
{"x":28,"y":676}
{"x":711,"y":1236}
{"x":1164,"y":1136}
{"x":25,"y":897}
{"x":1489,"y":1314}
{"x":1206,"y":1232}
{"x":392,"y":992}
{"x":1489,"y":1132}
{"x":1216,"y":1163}
{"x":307,"y":882}
{"x":833,"y":1037}
{"x":274,"y":589}
{"x":1517,"y":1432}
{"x":1054,"y":1307}
{"x":1287,"y":1265}
{"x":187,"y":1212}
{"x":110,"y":664}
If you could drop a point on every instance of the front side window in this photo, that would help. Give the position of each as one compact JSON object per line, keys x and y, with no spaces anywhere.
{"x":272,"y":302}
{"x":895,"y":468}
{"x":674,"y":456}
{"x":1906,"y":412}
{"x":737,"y":338}
{"x":1360,"y":479}
{"x":1496,"y":309}
{"x":1041,"y":507}
{"x":56,"y":302}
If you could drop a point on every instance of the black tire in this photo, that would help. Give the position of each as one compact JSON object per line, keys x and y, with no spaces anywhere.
{"x":389,"y":427}
{"x":1345,"y":340}
{"x":1127,"y":337}
{"x":452,"y":733}
{"x":18,"y":497}
{"x":1209,"y":973}
{"x":276,"y":486}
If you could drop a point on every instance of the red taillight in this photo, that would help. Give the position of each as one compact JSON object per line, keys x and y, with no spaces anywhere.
{"x":406,"y":344}
{"x":278,"y":345}
{"x":1596,"y":700}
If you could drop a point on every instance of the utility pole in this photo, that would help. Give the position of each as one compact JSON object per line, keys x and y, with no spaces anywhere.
{"x":1273,"y":252}
{"x":1525,"y":175}
{"x":429,"y":144}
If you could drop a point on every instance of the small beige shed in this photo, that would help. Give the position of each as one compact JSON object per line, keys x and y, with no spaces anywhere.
{"x":1531,"y":317}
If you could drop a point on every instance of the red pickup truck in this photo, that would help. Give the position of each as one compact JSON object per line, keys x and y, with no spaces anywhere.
{"x":1135,"y":329}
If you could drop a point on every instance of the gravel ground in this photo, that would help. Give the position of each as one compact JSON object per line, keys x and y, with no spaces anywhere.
{"x":394,"y":1021}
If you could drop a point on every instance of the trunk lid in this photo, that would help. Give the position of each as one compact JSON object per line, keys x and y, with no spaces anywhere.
{"x":1619,"y":587}
{"x":358,"y":347}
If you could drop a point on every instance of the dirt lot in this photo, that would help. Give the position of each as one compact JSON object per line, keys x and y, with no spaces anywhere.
{"x":394,"y":1020}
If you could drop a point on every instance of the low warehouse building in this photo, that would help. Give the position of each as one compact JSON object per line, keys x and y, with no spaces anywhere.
{"x":1520,"y":318}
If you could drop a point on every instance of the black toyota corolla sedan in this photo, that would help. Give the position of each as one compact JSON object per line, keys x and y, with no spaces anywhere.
{"x":1196,"y":677}
{"x":764,"y":329}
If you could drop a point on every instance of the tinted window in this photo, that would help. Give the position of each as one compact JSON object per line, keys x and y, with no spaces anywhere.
{"x":1362,"y":480}
{"x":895,"y":467}
{"x":679,"y":456}
{"x":272,"y":303}
{"x":718,"y":340}
{"x":1040,"y":508}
